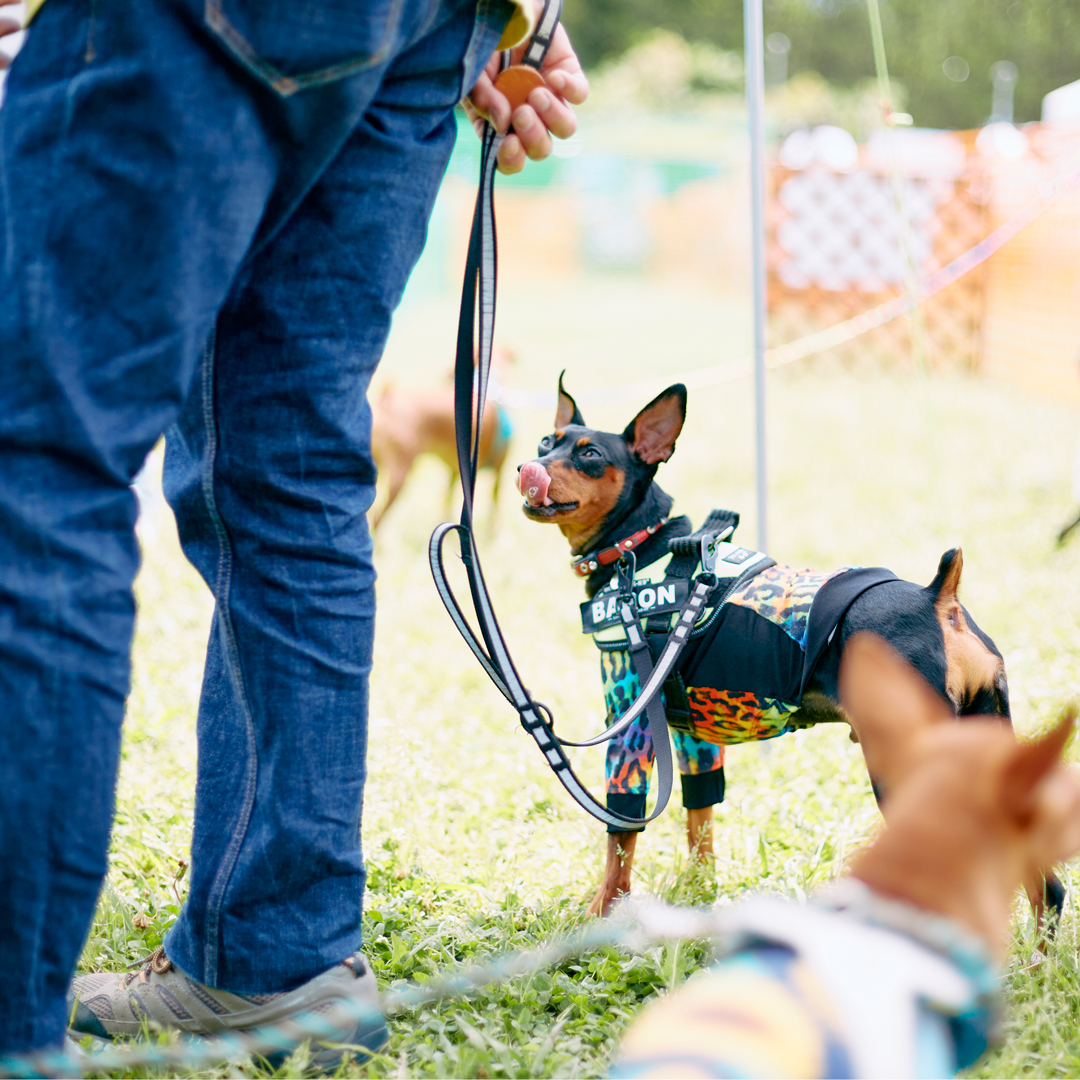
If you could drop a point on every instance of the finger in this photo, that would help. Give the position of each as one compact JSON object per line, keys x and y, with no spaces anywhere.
{"x":490,"y":103}
{"x":477,"y":121}
{"x":511,"y":157}
{"x":571,"y":85}
{"x":534,"y":136}
{"x":9,"y":26}
{"x":555,"y":115}
{"x":562,"y":69}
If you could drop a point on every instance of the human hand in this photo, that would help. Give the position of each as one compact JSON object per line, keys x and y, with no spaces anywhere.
{"x":8,"y":26}
{"x":547,"y":111}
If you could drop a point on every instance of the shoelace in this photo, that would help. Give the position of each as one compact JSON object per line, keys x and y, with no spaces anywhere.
{"x":157,"y":962}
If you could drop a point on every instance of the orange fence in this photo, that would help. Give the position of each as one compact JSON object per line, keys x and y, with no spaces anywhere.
{"x":838,"y":245}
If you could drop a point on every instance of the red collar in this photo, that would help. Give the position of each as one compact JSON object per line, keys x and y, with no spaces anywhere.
{"x":584,"y":565}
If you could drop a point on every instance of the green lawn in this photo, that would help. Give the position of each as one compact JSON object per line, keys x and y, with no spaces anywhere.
{"x":472,"y":847}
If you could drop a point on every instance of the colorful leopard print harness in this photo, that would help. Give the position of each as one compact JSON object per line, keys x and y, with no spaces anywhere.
{"x":742,"y":676}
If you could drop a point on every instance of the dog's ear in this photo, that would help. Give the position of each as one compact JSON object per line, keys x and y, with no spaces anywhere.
{"x":1028,"y":767}
{"x":652,"y":433}
{"x":944,"y":591}
{"x":567,"y":411}
{"x":889,"y":705}
{"x":945,"y":587}
{"x":1052,"y":807}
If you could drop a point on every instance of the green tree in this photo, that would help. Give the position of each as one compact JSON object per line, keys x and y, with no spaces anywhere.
{"x":832,"y":37}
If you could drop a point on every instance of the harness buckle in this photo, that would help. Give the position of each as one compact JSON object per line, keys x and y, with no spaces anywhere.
{"x":710,"y":544}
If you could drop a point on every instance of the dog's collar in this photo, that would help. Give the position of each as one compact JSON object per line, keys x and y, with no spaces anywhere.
{"x":584,"y":565}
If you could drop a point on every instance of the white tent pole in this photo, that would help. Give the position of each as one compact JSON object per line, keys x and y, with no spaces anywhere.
{"x":755,"y":94}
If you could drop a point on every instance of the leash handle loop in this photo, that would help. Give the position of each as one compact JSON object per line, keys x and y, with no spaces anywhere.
{"x":542,"y":35}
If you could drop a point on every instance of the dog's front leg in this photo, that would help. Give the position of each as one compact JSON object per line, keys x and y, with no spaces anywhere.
{"x":616,"y":883}
{"x":699,"y":833}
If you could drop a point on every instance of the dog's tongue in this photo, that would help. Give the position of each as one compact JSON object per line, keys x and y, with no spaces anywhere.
{"x":533,"y":482}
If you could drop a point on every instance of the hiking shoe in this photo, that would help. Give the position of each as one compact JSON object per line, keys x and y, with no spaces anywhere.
{"x":109,"y":1005}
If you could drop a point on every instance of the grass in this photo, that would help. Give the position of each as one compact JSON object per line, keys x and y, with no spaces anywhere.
{"x":485,"y":853}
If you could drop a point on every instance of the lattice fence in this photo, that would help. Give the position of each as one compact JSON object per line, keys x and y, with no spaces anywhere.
{"x":840,"y":245}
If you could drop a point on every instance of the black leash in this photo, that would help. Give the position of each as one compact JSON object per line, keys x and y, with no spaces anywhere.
{"x":477,"y":323}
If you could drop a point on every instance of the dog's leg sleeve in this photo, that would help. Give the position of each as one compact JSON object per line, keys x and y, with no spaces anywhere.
{"x":701,"y":768}
{"x":628,"y":768}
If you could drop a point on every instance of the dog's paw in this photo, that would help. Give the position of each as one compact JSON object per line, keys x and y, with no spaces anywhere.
{"x":605,"y":899}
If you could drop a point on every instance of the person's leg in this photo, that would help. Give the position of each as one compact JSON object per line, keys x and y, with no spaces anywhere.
{"x":136,"y":166}
{"x":270,"y":473}
{"x":93,"y":370}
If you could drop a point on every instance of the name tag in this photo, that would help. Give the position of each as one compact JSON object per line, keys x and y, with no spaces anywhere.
{"x":652,"y":599}
{"x":738,"y":555}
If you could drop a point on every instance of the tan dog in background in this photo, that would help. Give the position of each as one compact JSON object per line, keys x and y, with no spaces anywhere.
{"x":409,"y":422}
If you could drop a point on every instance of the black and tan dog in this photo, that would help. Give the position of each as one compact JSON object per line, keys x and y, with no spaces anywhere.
{"x":767,"y":661}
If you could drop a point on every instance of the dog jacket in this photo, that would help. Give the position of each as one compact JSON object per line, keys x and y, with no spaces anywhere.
{"x":850,"y":984}
{"x":742,"y":676}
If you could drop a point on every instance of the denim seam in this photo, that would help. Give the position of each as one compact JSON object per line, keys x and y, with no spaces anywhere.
{"x":479,"y":28}
{"x":216,"y":897}
{"x":91,"y":47}
{"x":283,"y":84}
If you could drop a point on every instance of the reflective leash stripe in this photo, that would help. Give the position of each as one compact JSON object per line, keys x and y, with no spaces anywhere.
{"x":482,"y":265}
{"x":545,"y":31}
{"x":652,"y":678}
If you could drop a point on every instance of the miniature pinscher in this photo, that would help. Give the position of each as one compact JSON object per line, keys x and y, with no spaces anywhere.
{"x":406,"y":423}
{"x":764,"y":662}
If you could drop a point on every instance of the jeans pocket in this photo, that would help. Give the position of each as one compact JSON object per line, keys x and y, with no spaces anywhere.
{"x":306,"y":43}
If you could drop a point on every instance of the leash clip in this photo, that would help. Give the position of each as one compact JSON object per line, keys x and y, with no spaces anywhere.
{"x":710,"y":545}
{"x":626,"y":568}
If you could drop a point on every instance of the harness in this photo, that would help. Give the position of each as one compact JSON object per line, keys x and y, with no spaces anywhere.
{"x":660,"y":590}
{"x":856,"y":984}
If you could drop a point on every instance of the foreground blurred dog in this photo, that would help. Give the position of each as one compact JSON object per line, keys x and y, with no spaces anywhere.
{"x":891,"y":972}
{"x":764,"y":663}
{"x":408,"y":423}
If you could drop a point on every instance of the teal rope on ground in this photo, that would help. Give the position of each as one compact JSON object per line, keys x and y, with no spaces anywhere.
{"x":643,"y":923}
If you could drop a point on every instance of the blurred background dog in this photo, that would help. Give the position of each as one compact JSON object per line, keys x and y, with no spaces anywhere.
{"x":409,"y":422}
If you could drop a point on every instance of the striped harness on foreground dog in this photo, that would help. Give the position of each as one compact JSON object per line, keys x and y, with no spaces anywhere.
{"x":850,"y":984}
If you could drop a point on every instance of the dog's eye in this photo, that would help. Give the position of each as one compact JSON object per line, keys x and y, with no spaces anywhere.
{"x":546,"y":444}
{"x":589,"y":452}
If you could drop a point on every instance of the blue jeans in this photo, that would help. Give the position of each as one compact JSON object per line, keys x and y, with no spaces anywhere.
{"x":208,"y":212}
